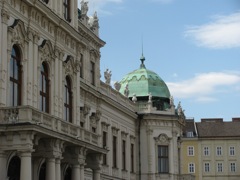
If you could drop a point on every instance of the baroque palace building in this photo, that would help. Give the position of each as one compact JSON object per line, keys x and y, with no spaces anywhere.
{"x":59,"y":121}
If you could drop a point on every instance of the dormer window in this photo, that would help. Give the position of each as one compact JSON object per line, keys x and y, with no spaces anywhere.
{"x":66,"y":10}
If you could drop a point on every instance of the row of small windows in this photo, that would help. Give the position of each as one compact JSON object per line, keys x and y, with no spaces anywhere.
{"x":16,"y":86}
{"x":115,"y":150}
{"x":206,"y":151}
{"x":66,"y":9}
{"x":219,"y":167}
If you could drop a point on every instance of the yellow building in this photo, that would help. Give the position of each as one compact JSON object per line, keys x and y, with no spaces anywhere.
{"x":189,"y":152}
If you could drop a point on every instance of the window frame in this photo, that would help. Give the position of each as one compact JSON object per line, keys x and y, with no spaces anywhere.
{"x":44,"y":79}
{"x":123,"y":154}
{"x":191,"y":167}
{"x":68,"y":99}
{"x":132,"y":158}
{"x":190,"y":150}
{"x":67,"y":10}
{"x":206,"y":167}
{"x":219,"y":151}
{"x":163,"y":158}
{"x":231,"y":151}
{"x":92,"y":72}
{"x":206,"y":151}
{"x":232,"y":167}
{"x":104,"y":143}
{"x":219,"y":167}
{"x":15,"y":62}
{"x":114,"y":141}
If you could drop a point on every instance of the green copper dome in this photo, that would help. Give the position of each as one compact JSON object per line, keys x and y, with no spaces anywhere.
{"x":142,"y":82}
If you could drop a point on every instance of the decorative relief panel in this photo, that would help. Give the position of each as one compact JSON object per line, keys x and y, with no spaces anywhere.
{"x":162,"y":139}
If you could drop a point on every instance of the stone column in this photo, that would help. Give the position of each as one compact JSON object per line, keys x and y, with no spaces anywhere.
{"x":4,"y":57}
{"x":58,"y":169}
{"x":96,"y":174}
{"x":26,"y":166}
{"x":3,"y":167}
{"x":82,"y":172}
{"x":50,"y":169}
{"x":76,"y":172}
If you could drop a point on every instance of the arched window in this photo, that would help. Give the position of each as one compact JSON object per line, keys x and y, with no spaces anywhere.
{"x":42,"y":172}
{"x":13,"y":172}
{"x":44,"y":88}
{"x":66,"y":9}
{"x":68,"y":100}
{"x":68,"y":174}
{"x":15,"y":77}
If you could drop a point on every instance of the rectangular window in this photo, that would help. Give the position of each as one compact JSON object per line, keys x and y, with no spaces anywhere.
{"x":190,"y":151}
{"x":191,"y":168}
{"x":114,"y":151}
{"x":66,"y":8}
{"x":81,"y":66}
{"x":123,"y":154}
{"x":92,"y":73}
{"x":206,"y":151}
{"x":132,"y":157}
{"x":233,"y":167}
{"x":190,"y":134}
{"x":219,"y":150}
{"x":104,"y":143}
{"x":206,"y":167}
{"x":163,"y":160}
{"x":231,"y":151}
{"x":219,"y":167}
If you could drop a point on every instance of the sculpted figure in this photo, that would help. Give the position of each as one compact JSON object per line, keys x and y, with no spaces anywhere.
{"x":171,"y":101}
{"x":84,"y":8}
{"x":134,"y":98}
{"x":117,"y":86}
{"x":126,"y":91}
{"x":107,"y":76}
{"x":150,"y":97}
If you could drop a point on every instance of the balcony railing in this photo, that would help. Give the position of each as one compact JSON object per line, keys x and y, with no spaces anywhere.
{"x":27,"y":114}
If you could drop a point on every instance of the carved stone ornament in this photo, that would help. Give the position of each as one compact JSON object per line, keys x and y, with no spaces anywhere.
{"x":162,"y":139}
{"x":5,"y":16}
{"x":46,"y":49}
{"x":17,"y":32}
{"x":86,"y":110}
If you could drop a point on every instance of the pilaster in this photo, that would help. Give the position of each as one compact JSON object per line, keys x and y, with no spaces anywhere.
{"x":35,"y":69}
{"x":3,"y":56}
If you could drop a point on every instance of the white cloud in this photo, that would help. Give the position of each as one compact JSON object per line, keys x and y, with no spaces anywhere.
{"x":98,"y":5}
{"x":223,"y":32}
{"x":205,"y":87}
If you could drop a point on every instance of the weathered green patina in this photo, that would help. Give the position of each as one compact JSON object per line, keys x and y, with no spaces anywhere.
{"x":142,"y":82}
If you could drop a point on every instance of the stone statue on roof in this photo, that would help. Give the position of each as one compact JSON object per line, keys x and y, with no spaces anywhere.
{"x":134,"y":98}
{"x":107,"y":76}
{"x":149,"y":97}
{"x":95,"y":21}
{"x":171,"y":101}
{"x":84,"y":8}
{"x":117,"y":86}
{"x":179,"y":109}
{"x":126,"y":91}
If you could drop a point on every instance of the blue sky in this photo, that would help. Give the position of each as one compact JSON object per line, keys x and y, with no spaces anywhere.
{"x":193,"y":45}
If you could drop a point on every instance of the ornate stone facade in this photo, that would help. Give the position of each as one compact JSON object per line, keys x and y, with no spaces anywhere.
{"x":57,"y":119}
